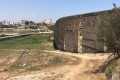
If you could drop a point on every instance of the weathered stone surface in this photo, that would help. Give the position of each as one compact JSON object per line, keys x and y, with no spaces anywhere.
{"x":67,"y":32}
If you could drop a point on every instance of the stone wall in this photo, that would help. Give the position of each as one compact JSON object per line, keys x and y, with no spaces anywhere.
{"x":90,"y":26}
{"x":68,"y":29}
{"x":66,"y":33}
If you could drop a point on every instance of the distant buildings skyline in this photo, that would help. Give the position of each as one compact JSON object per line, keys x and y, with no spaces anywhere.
{"x":23,"y":22}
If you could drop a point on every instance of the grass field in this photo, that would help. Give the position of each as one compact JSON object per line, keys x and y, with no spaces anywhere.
{"x":41,"y":42}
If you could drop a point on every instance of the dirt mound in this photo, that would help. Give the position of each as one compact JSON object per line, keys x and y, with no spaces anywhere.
{"x":25,"y":61}
{"x":53,"y":65}
{"x":35,"y":60}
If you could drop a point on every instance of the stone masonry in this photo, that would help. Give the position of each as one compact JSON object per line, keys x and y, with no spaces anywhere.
{"x":68,"y":30}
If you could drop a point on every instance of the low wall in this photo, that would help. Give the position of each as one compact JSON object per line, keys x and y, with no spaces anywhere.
{"x":15,"y":36}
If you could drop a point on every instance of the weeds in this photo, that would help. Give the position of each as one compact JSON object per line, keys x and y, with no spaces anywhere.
{"x":110,"y":69}
{"x":33,"y":68}
{"x":56,"y":59}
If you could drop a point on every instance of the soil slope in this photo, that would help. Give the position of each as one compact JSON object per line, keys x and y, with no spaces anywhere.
{"x":53,"y":65}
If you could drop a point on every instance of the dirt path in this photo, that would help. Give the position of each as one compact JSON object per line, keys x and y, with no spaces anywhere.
{"x":80,"y":71}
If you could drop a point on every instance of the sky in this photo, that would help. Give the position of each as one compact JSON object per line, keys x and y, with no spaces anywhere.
{"x":39,"y":10}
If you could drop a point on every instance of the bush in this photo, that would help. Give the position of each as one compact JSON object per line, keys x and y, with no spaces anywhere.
{"x":110,"y":69}
{"x":110,"y":31}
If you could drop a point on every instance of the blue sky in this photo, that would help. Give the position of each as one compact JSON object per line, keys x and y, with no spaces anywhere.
{"x":38,"y":10}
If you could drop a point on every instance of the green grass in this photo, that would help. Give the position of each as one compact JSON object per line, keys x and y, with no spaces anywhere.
{"x":27,"y":42}
{"x":56,"y":59}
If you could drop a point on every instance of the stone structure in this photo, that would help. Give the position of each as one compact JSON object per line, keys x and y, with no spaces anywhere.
{"x":68,"y":30}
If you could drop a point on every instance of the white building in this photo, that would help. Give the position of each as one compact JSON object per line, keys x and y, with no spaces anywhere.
{"x":12,"y":23}
{"x":48,"y":21}
{"x":5,"y":22}
{"x":23,"y":22}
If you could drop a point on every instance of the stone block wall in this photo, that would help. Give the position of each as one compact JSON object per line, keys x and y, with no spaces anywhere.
{"x":67,"y":32}
{"x":59,"y":33}
{"x":90,"y":26}
{"x":90,"y":23}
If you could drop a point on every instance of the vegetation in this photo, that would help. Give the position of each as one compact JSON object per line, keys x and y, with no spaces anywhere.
{"x":33,"y":27}
{"x":110,"y":31}
{"x":29,"y":49}
{"x":33,"y":68}
{"x":27,"y":42}
{"x":57,"y":59}
{"x":8,"y":26}
{"x":110,"y":69}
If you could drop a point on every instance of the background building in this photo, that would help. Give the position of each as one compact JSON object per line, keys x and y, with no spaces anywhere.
{"x":5,"y":22}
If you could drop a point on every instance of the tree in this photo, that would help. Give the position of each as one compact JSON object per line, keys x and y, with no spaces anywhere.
{"x":27,"y":23}
{"x":110,"y":31}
